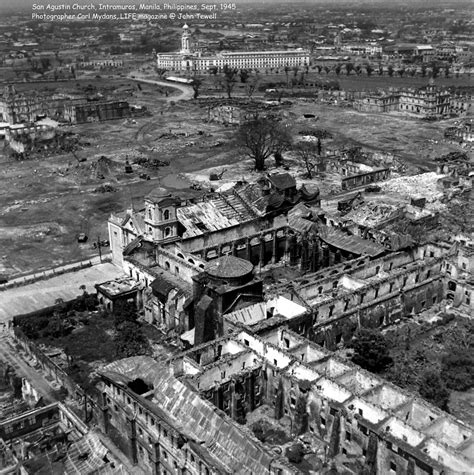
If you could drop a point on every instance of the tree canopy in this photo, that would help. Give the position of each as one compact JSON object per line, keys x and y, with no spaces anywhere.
{"x":371,"y":350}
{"x":310,"y":155}
{"x":261,"y":137}
{"x":433,"y":389}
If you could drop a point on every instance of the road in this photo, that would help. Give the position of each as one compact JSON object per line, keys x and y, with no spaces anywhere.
{"x":186,"y":92}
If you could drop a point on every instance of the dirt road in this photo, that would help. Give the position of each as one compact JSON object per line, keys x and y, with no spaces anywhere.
{"x":186,"y":92}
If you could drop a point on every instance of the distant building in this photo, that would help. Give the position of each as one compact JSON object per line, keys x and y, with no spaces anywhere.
{"x":189,"y":60}
{"x":21,"y":108}
{"x":426,"y":101}
{"x":91,"y":111}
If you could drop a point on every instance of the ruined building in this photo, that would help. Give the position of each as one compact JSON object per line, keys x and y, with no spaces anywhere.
{"x":200,"y":266}
{"x":426,"y":101}
{"x":26,"y":108}
{"x":185,"y":415}
{"x":52,"y":439}
{"x":165,"y":427}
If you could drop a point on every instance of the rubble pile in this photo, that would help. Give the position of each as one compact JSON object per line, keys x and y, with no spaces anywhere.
{"x":153,"y":163}
{"x":371,"y":214}
{"x":105,"y":166}
{"x":422,"y":185}
{"x":453,"y":157}
{"x":105,"y":188}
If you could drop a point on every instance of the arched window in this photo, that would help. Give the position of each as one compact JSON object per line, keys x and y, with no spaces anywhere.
{"x":167,"y":265}
{"x":167,"y":231}
{"x":166,"y":215}
{"x":149,"y":213}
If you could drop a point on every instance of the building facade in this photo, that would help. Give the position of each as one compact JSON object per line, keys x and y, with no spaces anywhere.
{"x":426,"y":101}
{"x":187,"y":60}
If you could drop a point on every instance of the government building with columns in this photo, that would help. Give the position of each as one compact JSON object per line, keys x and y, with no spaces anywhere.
{"x":188,"y":60}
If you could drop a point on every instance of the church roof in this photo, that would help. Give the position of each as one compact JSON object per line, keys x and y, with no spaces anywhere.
{"x":160,"y":195}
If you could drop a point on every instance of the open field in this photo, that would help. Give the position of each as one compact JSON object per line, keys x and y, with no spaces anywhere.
{"x":46,"y":203}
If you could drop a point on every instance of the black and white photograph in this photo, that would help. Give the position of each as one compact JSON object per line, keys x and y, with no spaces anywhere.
{"x":236,"y":237}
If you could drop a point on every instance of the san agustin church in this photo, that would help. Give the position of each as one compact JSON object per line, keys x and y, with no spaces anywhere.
{"x":197,"y":270}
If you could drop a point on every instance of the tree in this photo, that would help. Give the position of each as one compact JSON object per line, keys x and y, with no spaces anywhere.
{"x":355,"y":153}
{"x":261,"y":137}
{"x":45,"y":64}
{"x":301,"y":415}
{"x":295,"y":453}
{"x":124,"y":312}
{"x":307,"y":152}
{"x":244,"y":75}
{"x":279,"y":402}
{"x":230,"y":79}
{"x":433,"y":389}
{"x":287,"y":70}
{"x":196,"y":84}
{"x":457,"y":368}
{"x":251,"y":85}
{"x":371,"y":350}
{"x":130,"y":340}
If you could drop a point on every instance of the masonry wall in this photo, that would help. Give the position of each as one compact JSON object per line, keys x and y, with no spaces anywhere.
{"x":146,"y":439}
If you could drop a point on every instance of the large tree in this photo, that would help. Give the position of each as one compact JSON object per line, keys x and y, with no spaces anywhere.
{"x":261,"y":137}
{"x":371,"y":350}
{"x":307,"y":153}
{"x":229,"y":79}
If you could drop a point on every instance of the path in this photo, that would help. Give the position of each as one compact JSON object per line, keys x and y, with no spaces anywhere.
{"x":186,"y":91}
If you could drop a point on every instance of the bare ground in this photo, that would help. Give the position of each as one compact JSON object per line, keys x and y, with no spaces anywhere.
{"x":45,"y":203}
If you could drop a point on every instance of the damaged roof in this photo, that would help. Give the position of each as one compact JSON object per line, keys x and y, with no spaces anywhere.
{"x":205,"y":217}
{"x":230,"y":448}
{"x":282,"y":181}
{"x":165,"y":282}
{"x":350,"y":243}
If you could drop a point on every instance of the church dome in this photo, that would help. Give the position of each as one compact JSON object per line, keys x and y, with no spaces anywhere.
{"x":158,"y":192}
{"x":229,"y":267}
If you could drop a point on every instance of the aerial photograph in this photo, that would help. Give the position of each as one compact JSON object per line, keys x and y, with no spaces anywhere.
{"x":236,"y":237}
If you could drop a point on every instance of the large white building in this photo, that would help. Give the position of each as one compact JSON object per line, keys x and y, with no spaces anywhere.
{"x":188,"y":60}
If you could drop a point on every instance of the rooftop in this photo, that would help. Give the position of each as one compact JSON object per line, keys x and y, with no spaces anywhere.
{"x":114,"y":288}
{"x":228,"y":267}
{"x":350,"y":243}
